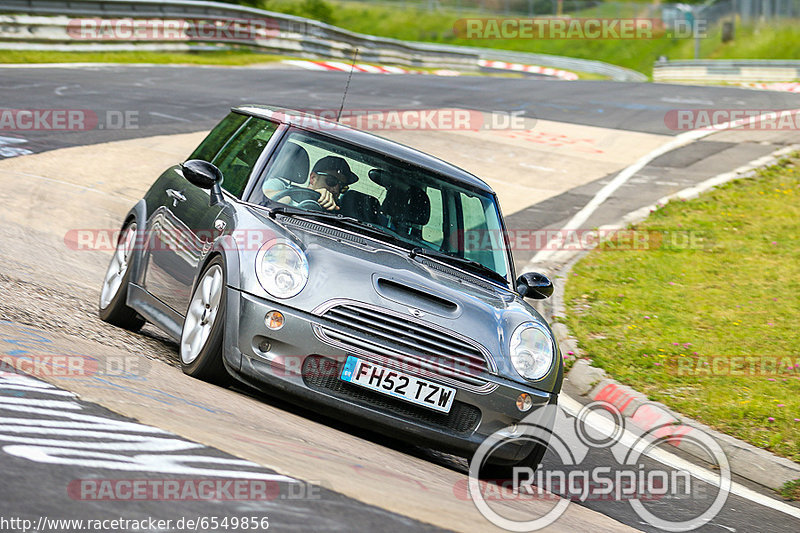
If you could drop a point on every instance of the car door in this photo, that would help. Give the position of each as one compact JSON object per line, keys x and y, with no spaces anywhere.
{"x":184,"y":231}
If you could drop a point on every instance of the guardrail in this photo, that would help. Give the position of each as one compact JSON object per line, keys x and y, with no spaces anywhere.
{"x":287,"y":35}
{"x":292,"y":35}
{"x":726,"y":70}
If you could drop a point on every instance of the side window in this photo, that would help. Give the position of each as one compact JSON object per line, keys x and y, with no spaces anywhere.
{"x":217,"y":138}
{"x":477,"y":237}
{"x":237,"y":157}
{"x":433,"y":231}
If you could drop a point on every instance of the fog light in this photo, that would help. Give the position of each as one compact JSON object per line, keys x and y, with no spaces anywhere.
{"x":264,"y":346}
{"x":524,"y":402}
{"x":274,"y":320}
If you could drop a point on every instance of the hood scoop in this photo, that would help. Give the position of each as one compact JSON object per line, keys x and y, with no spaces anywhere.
{"x":418,"y":299}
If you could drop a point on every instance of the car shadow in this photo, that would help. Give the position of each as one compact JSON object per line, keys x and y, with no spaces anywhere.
{"x":445,"y":460}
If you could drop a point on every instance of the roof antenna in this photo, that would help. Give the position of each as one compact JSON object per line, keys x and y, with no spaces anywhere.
{"x":352,"y":66}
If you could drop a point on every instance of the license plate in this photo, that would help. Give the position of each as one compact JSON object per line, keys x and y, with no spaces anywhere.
{"x":398,"y":385}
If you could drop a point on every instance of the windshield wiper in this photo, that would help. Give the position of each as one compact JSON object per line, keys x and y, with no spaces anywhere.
{"x":338,"y":218}
{"x":474,"y":266}
{"x":287,"y":210}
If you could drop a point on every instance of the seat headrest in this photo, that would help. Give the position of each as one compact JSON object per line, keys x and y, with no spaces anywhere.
{"x":292,"y":164}
{"x":379,"y":176}
{"x":411,"y":206}
{"x":359,"y":205}
{"x":418,"y":210}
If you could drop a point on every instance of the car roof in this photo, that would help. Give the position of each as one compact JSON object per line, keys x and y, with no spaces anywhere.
{"x":367,"y":140}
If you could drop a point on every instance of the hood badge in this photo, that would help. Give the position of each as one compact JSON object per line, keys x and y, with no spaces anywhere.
{"x":416,"y":312}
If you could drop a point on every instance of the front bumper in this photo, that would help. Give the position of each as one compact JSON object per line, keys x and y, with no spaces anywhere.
{"x":294,"y":361}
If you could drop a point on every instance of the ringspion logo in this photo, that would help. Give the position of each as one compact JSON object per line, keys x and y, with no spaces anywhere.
{"x":569,"y":477}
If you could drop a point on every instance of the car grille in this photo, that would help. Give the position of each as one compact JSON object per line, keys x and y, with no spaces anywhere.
{"x":462,"y":418}
{"x":406,"y":344}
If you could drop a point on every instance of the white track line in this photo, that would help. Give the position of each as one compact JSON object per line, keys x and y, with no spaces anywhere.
{"x":603,"y":194}
{"x":695,"y":190}
{"x":606,"y":426}
{"x":164,"y":115}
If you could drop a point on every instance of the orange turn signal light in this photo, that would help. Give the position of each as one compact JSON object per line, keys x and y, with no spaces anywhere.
{"x":274,"y":320}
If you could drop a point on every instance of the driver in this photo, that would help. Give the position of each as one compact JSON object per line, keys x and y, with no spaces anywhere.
{"x":330,"y":177}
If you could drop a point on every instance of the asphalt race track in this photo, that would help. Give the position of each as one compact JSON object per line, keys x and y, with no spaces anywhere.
{"x":37,"y":491}
{"x":320,"y":474}
{"x":183,"y":99}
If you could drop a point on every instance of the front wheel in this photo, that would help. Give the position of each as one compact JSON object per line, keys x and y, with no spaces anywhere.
{"x":114,"y":293}
{"x":202,"y":335}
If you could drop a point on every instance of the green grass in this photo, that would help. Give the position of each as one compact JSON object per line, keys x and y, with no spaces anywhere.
{"x":226,"y":58}
{"x":419,"y":25}
{"x":232,"y":57}
{"x":770,"y":40}
{"x":652,"y":318}
{"x":791,"y":490}
{"x":766,"y":41}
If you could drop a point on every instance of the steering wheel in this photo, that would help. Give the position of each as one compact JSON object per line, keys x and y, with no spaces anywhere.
{"x":298,"y":194}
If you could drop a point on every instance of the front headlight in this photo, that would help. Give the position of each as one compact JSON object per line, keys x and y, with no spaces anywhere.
{"x":531,"y":349}
{"x":281,"y":268}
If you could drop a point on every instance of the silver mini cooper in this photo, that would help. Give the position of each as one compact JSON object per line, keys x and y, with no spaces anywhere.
{"x":345,"y":271}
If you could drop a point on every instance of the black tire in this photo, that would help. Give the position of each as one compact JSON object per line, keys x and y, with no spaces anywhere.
{"x":116,"y":311}
{"x":208,"y":365}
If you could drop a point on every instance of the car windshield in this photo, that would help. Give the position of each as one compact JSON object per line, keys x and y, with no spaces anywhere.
{"x":411,"y":203}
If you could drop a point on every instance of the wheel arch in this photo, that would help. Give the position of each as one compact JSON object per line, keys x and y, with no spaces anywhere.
{"x":226,"y":249}
{"x":138,"y":214}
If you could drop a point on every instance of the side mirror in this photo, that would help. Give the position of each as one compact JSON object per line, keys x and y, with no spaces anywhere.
{"x":206,"y":176}
{"x":534,"y":285}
